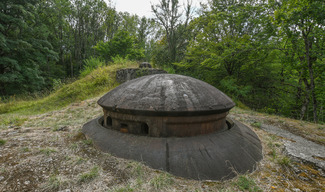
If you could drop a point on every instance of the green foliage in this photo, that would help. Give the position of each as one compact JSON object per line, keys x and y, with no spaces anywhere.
{"x":90,"y":65}
{"x":24,"y":48}
{"x":236,"y":91}
{"x":174,"y":40}
{"x":121,"y":45}
{"x":96,"y":83}
{"x":300,"y":27}
{"x":246,"y":184}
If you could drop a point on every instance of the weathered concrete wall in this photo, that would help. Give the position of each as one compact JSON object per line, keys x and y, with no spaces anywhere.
{"x":127,"y":74}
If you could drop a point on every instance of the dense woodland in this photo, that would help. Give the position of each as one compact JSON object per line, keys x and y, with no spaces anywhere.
{"x":268,"y":55}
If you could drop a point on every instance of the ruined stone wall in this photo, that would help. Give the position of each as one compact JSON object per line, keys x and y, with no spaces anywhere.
{"x":127,"y":74}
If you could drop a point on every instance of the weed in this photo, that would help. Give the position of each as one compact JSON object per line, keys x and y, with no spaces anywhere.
{"x":80,"y":160}
{"x":2,"y":142}
{"x":74,"y":146}
{"x":137,"y":169}
{"x":85,"y":177}
{"x":25,"y":149}
{"x":285,"y":161}
{"x":79,"y":136}
{"x":53,"y":183}
{"x":273,"y":153}
{"x":47,"y":151}
{"x":257,"y":124}
{"x":88,"y":141}
{"x":162,"y":180}
{"x":246,"y":184}
{"x":128,"y":188}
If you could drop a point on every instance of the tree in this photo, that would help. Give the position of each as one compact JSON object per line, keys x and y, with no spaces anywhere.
{"x":231,"y":45}
{"x":23,"y":48}
{"x":168,"y":15}
{"x":301,"y":29}
{"x":122,"y":45}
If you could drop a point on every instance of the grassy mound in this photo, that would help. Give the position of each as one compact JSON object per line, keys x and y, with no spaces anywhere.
{"x":96,"y":83}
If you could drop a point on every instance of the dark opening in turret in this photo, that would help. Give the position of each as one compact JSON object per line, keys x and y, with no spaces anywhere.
{"x":109,"y":121}
{"x":144,"y":129}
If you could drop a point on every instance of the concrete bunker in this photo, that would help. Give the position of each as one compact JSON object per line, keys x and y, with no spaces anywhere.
{"x":177,"y":124}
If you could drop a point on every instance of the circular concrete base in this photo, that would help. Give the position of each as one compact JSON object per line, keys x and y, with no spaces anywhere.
{"x":214,"y":156}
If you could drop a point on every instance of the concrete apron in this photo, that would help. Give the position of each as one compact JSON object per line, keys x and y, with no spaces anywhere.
{"x":299,"y":147}
{"x":216,"y":156}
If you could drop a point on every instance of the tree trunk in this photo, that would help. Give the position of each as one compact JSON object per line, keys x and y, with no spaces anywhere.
{"x":310,"y":60}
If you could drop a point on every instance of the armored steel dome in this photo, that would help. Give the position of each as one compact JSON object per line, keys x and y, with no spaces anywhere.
{"x":177,"y":124}
{"x":166,"y":94}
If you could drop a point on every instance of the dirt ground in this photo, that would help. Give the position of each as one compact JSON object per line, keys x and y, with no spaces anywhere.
{"x":49,"y":153}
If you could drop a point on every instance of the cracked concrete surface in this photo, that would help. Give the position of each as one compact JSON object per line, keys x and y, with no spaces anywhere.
{"x":299,"y":147}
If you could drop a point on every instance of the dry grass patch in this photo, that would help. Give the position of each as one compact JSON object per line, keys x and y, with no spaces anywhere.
{"x":49,"y":153}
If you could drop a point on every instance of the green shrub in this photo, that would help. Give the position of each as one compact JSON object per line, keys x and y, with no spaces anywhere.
{"x":90,"y":65}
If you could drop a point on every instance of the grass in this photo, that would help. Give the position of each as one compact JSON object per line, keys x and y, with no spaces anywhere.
{"x":246,"y":183}
{"x":54,"y":183}
{"x":284,"y":161}
{"x":12,"y":121}
{"x":80,"y":167}
{"x":95,"y":83}
{"x":2,"y":142}
{"x":47,"y":151}
{"x":88,"y":176}
{"x":161,"y":181}
{"x":256,"y":124}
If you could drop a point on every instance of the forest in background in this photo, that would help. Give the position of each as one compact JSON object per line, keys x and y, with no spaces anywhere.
{"x":265,"y":54}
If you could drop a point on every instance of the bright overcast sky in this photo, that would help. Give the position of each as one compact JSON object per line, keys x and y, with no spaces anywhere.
{"x":143,"y":7}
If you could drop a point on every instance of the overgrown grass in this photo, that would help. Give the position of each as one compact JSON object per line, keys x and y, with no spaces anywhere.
{"x":94,"y":84}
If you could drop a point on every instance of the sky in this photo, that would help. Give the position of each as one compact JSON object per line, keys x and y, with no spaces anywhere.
{"x":143,"y":7}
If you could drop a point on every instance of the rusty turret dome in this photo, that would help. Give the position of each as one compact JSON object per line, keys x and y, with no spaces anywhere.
{"x":166,"y":94}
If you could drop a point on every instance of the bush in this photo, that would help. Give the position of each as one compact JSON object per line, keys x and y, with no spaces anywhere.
{"x":90,"y":65}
